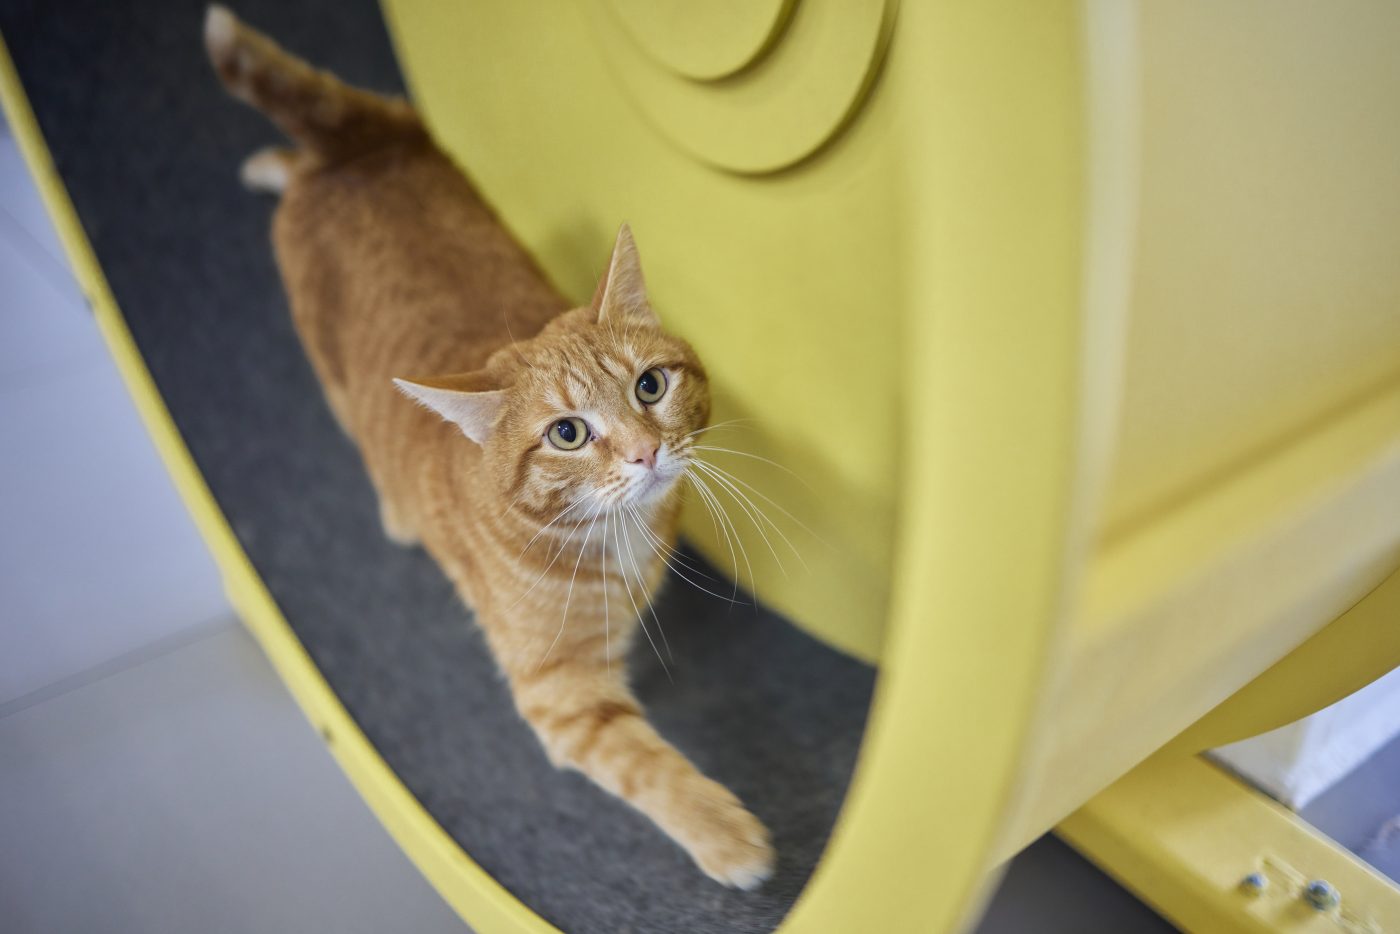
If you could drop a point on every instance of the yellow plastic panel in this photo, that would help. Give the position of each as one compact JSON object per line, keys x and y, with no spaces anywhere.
{"x":1178,"y":616}
{"x":1266,"y":290}
{"x":1355,"y":649}
{"x":1274,"y":422}
{"x":789,"y":285}
{"x":1183,"y":835}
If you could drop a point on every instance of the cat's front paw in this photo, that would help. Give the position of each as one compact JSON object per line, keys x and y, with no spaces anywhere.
{"x":726,"y":841}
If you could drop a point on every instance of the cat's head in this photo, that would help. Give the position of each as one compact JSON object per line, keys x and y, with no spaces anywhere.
{"x":596,"y":412}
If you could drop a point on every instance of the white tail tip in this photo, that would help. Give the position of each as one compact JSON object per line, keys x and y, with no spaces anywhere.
{"x":220,"y":29}
{"x":268,"y":170}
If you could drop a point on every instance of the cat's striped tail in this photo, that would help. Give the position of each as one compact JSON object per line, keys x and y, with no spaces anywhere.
{"x":330,"y":121}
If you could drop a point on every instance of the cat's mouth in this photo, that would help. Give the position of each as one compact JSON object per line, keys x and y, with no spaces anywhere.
{"x":653,"y":485}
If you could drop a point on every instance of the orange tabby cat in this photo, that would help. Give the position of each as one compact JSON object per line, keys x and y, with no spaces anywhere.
{"x":549,"y":501}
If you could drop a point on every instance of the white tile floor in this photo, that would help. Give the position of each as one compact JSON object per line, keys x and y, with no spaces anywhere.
{"x":155,"y":776}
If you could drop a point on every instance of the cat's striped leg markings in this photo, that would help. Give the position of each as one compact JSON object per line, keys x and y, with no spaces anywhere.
{"x":589,"y":721}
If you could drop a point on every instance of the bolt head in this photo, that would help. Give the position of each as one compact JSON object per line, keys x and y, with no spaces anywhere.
{"x":1254,"y":883}
{"x":1322,"y":895}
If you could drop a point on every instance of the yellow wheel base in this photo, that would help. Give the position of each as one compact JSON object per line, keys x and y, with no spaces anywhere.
{"x":1186,"y":838}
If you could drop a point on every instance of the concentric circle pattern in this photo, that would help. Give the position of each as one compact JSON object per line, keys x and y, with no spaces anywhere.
{"x":751,"y":87}
{"x":704,"y":40}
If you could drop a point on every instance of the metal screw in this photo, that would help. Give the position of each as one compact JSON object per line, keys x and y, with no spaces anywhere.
{"x":1322,"y":895}
{"x":1254,"y":884}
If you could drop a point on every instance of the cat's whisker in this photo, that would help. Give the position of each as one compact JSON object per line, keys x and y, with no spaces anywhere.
{"x":607,"y":491}
{"x":637,"y":521}
{"x":725,"y":424}
{"x":755,"y":515}
{"x":514,"y":344}
{"x":547,"y":568}
{"x":617,"y":539}
{"x":745,"y":509}
{"x":666,"y":552}
{"x":725,"y":480}
{"x":562,"y":546}
{"x":670,"y":552}
{"x":646,"y":595}
{"x":718,"y":529}
{"x":607,"y":617}
{"x":568,"y":596}
{"x":687,"y":475}
{"x":771,"y":463}
{"x":511,"y":505}
{"x":544,"y":528}
{"x":673,"y":555}
{"x":726,"y":524}
{"x":617,"y":492}
{"x":763,"y":496}
{"x":731,"y":533}
{"x":611,"y":325}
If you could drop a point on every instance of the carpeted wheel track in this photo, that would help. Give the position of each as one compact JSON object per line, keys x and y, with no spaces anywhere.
{"x":148,"y":146}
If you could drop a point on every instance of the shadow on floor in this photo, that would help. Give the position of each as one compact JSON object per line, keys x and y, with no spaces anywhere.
{"x":1051,"y":889}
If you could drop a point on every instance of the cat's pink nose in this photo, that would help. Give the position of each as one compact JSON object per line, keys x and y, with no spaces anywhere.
{"x":644,"y":454}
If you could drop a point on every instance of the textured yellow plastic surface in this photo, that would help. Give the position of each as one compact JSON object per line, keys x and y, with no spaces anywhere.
{"x":1177,"y":617}
{"x":1355,"y":649}
{"x":1266,"y":292}
{"x":1254,"y":492}
{"x":1182,"y":834}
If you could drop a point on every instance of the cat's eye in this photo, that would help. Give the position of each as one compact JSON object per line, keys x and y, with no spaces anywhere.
{"x":568,"y":434}
{"x":651,"y":386}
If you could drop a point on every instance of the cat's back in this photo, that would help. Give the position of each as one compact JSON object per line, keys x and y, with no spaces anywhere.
{"x":395,"y":265}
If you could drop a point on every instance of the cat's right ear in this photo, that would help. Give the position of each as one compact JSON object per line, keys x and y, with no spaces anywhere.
{"x":622,"y":295}
{"x":471,"y":401}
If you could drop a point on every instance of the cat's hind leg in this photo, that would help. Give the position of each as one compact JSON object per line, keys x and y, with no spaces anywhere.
{"x":269,"y":170}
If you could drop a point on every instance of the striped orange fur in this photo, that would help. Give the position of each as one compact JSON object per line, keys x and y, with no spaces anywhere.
{"x":398,"y":272}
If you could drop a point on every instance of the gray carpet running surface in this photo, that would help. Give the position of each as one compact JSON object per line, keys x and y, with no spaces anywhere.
{"x":149,"y":147}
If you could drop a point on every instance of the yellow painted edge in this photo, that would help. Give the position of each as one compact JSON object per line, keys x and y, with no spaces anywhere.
{"x":914,"y":846}
{"x":1182,"y":834}
{"x":1358,"y":647}
{"x":478,"y":898}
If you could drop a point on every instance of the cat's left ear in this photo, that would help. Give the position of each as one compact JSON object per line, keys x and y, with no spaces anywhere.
{"x":471,"y":401}
{"x":622,"y":295}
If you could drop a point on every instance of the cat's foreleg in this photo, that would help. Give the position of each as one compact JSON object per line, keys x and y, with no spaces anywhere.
{"x":588,"y":720}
